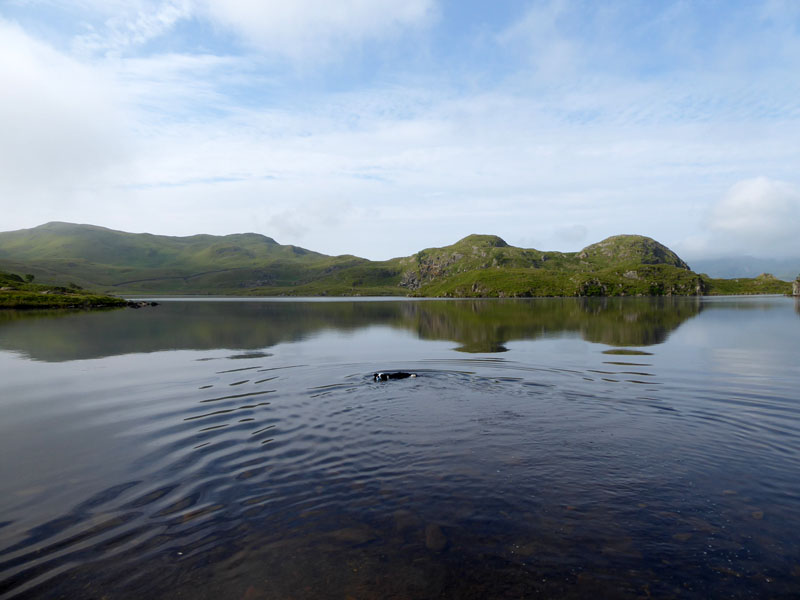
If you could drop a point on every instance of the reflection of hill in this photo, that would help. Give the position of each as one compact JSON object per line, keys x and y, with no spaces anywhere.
{"x":477,"y":325}
{"x":55,"y":336}
{"x":485,"y":325}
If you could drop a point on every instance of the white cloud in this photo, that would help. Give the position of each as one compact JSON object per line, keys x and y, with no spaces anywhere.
{"x":759,"y":212}
{"x":312,"y":29}
{"x":755,"y":217}
{"x":61,"y":122}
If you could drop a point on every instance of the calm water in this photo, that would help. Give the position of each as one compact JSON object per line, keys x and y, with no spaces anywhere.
{"x":548,"y":448}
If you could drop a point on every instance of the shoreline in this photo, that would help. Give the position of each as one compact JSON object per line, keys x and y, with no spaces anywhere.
{"x":64,"y":301}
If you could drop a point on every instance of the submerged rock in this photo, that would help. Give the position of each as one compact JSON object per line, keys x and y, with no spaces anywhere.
{"x":435,"y":538}
{"x":405,"y":520}
{"x":353,"y":536}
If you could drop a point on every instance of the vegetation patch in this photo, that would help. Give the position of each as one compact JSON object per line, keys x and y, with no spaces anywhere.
{"x":763,"y":284}
{"x":20,"y":292}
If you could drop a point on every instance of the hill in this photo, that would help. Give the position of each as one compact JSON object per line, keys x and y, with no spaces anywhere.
{"x":252,"y":264}
{"x":120,"y":262}
{"x":481,"y":265}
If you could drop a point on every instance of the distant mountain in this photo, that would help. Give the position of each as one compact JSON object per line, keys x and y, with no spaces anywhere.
{"x":96,"y":257}
{"x":786,"y":269}
{"x":252,"y":264}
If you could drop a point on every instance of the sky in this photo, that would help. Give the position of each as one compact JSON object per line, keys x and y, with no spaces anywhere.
{"x":381,"y":127}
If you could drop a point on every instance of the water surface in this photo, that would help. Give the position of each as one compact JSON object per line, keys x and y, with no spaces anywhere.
{"x":561,"y":448}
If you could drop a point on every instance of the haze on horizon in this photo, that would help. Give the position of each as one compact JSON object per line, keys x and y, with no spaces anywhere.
{"x":381,"y":127}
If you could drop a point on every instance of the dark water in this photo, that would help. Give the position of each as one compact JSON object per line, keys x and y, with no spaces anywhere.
{"x":548,"y":448}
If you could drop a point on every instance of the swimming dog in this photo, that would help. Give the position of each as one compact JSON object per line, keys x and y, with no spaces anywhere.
{"x":387,"y":376}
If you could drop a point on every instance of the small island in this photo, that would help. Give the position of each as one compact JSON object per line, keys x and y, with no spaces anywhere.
{"x":20,"y":292}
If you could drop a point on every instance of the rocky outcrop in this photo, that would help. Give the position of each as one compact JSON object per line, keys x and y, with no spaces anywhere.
{"x":796,"y":287}
{"x":435,"y":263}
{"x":429,"y":267}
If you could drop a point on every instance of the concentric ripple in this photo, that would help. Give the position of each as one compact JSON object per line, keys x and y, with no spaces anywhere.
{"x":553,"y":470}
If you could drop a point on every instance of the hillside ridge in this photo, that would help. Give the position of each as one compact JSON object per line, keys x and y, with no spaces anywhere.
{"x":477,"y":265}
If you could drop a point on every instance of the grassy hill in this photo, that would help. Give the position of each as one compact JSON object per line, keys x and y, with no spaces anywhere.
{"x":120,"y":262}
{"x":483,"y":265}
{"x":251,"y":264}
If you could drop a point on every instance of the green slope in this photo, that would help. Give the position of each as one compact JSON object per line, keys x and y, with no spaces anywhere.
{"x":252,"y":264}
{"x":123,"y":262}
{"x":763,"y":284}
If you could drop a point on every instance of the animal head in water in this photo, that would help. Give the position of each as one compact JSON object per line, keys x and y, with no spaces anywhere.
{"x":387,"y":376}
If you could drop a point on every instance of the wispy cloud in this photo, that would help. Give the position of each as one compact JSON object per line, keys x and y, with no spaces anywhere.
{"x":577,"y":121}
{"x":140,"y":22}
{"x":540,"y":38}
{"x":316,"y":30}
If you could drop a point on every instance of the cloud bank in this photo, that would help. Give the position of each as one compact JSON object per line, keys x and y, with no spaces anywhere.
{"x":62,"y":122}
{"x":380,"y":128}
{"x":757,"y":213}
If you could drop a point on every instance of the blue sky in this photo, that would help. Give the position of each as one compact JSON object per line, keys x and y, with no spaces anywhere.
{"x":380,"y":127}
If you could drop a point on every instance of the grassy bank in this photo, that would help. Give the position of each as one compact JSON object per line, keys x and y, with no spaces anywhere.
{"x":20,"y":292}
{"x":763,"y":284}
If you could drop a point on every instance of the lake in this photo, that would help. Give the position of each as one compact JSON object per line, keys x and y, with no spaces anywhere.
{"x":556,"y":448}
